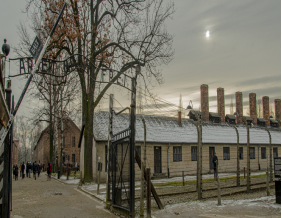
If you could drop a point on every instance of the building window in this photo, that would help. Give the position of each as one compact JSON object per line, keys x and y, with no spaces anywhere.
{"x":226,"y":153}
{"x":138,"y":149}
{"x":177,"y":153}
{"x":241,"y":153}
{"x":73,"y":158}
{"x":263,"y":153}
{"x":252,"y":153}
{"x":106,"y":157}
{"x":194,"y":153}
{"x":73,"y":141}
{"x":275,"y":152}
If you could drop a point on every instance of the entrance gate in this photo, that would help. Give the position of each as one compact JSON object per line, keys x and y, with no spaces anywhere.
{"x":121,"y":180}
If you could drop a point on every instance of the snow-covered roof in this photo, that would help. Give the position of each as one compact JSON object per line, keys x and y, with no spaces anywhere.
{"x":167,"y":130}
{"x":218,"y":133}
{"x":158,"y":128}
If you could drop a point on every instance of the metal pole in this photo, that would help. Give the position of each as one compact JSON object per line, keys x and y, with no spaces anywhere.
{"x":109,"y":147}
{"x":6,"y":155}
{"x":11,"y":155}
{"x":62,"y":136}
{"x":183,"y":182}
{"x":132,"y":146}
{"x":218,"y":186}
{"x":143,"y":166}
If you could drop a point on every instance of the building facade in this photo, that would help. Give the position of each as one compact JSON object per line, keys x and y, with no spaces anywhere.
{"x":172,"y":143}
{"x":70,"y":150}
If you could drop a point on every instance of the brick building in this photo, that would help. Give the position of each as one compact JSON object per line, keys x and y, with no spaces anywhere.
{"x":15,"y":151}
{"x":71,"y":135}
{"x":171,"y":144}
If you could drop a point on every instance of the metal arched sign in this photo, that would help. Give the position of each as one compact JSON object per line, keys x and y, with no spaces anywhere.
{"x":69,"y":65}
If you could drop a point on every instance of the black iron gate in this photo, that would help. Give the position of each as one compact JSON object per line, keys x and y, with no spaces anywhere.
{"x":122,"y":161}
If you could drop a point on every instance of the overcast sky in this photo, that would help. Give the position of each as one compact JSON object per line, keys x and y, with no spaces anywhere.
{"x":243,"y":52}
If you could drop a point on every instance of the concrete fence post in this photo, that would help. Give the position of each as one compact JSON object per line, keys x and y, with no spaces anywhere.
{"x":148,"y":193}
{"x":218,"y":186}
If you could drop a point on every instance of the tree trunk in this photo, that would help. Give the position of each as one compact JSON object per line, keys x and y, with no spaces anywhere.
{"x":88,"y":136}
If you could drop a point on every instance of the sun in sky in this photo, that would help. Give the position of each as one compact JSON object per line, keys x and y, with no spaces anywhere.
{"x":208,"y":34}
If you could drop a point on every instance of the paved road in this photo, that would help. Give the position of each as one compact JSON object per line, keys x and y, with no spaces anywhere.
{"x":36,"y":199}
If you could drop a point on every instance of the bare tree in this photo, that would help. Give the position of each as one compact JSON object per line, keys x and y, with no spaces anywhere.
{"x":22,"y":131}
{"x":111,"y":34}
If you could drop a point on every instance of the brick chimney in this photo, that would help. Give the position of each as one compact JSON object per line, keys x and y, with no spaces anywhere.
{"x":253,"y":107}
{"x":277,"y":108}
{"x":239,"y":106}
{"x":221,"y":103}
{"x":179,"y":118}
{"x":265,"y":109}
{"x":205,"y":101}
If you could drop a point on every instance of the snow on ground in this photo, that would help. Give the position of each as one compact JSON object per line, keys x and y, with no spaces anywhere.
{"x":258,"y":207}
{"x":207,"y":176}
{"x":72,"y":181}
{"x":91,"y":187}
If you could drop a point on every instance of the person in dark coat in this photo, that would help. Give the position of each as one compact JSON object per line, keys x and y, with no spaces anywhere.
{"x":16,"y":172}
{"x":214,"y":160}
{"x":29,"y":169}
{"x":35,"y":169}
{"x":38,"y":170}
{"x":26,"y":169}
{"x":23,"y":168}
{"x":49,"y":170}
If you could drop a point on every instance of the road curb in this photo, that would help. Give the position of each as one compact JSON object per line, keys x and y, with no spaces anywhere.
{"x":93,"y":195}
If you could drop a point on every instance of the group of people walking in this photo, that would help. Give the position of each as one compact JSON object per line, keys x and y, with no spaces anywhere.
{"x":26,"y":169}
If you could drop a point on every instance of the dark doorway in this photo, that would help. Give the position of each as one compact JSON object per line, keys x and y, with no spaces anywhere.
{"x":211,"y":151}
{"x":158,"y":159}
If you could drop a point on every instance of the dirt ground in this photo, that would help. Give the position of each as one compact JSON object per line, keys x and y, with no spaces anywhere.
{"x":50,"y":199}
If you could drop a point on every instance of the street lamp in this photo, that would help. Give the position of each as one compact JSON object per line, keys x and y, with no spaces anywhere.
{"x":5,"y":48}
{"x":6,"y":51}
